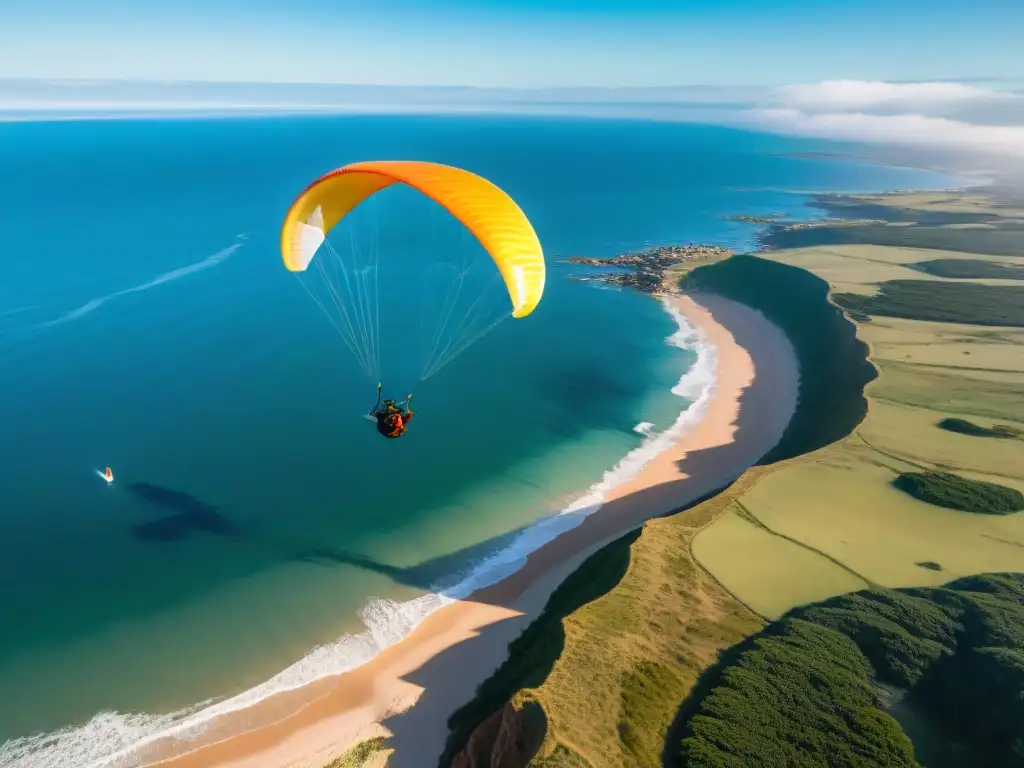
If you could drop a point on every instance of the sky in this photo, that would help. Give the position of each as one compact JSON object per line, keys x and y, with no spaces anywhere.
{"x":513,"y":43}
{"x":944,"y":77}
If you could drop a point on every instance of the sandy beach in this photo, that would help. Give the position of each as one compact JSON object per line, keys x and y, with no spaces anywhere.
{"x":409,"y":690}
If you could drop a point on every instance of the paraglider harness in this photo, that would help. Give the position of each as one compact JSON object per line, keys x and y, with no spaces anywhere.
{"x":391,"y":420}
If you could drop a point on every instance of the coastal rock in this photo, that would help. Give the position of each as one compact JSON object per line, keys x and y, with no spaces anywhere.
{"x":651,"y":270}
{"x":477,"y":752}
{"x":830,"y":223}
{"x":509,"y":738}
{"x":664,"y":256}
{"x":754,"y":219}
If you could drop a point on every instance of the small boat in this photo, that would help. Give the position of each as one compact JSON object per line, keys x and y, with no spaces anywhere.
{"x":107,"y":475}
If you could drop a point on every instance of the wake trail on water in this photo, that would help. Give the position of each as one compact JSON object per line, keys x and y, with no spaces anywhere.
{"x":175,"y":274}
{"x":113,"y":740}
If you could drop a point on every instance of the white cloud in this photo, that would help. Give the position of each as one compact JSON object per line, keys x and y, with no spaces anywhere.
{"x":953,"y":119}
{"x":860,"y":95}
{"x":925,"y":132}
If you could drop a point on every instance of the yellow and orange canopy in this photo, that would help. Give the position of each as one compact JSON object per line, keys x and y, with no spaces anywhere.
{"x":484,"y":209}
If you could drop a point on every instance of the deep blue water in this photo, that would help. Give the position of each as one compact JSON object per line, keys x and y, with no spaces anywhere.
{"x":230,"y":410}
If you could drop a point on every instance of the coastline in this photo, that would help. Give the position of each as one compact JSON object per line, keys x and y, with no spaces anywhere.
{"x":337,"y":731}
{"x":440,"y":663}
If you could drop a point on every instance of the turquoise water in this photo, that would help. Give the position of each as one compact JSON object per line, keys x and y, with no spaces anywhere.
{"x":146,"y":323}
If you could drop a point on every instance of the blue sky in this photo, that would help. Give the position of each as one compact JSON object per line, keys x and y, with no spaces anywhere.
{"x":515,"y":43}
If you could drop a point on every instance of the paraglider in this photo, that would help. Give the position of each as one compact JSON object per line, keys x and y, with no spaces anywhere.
{"x":493,"y":219}
{"x":391,"y":419}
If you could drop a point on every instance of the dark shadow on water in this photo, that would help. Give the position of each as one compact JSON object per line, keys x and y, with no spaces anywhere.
{"x":189,"y":515}
{"x":433,"y":574}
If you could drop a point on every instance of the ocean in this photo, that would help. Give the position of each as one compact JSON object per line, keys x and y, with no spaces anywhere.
{"x":148,"y":324}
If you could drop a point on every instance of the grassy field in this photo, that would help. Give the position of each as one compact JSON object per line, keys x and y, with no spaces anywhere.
{"x":913,"y":434}
{"x":962,"y":223}
{"x":944,"y":345}
{"x":800,"y":570}
{"x":994,"y":395}
{"x":860,"y":268}
{"x":843,"y":505}
{"x":841,"y":502}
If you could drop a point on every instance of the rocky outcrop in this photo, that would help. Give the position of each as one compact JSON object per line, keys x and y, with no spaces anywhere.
{"x":649,"y":268}
{"x":827,"y":223}
{"x":663,"y":257}
{"x":754,"y":219}
{"x":509,"y":738}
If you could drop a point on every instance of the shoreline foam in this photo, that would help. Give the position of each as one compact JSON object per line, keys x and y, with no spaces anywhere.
{"x":387,"y":621}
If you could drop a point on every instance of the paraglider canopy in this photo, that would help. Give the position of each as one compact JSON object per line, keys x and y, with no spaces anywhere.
{"x":486,"y":211}
{"x":369,"y":288}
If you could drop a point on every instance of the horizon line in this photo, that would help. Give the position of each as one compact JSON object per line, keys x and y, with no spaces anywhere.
{"x":468,"y":87}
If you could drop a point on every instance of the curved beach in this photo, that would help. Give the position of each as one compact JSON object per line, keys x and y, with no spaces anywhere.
{"x":439,"y":665}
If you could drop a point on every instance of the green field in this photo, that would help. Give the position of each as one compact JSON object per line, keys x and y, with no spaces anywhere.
{"x":861,"y":268}
{"x":798,"y":570}
{"x":842,"y":501}
{"x":915,"y":434}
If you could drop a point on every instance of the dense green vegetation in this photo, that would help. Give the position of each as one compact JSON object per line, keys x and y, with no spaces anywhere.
{"x":966,"y":269}
{"x":801,"y":696}
{"x":802,"y":692}
{"x":532,"y":655}
{"x":833,"y":361}
{"x":1005,"y":239}
{"x":965,"y":427}
{"x":942,"y":302}
{"x":944,"y":489}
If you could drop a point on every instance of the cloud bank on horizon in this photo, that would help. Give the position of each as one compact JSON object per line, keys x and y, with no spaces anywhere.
{"x":955,"y":119}
{"x":941,"y":116}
